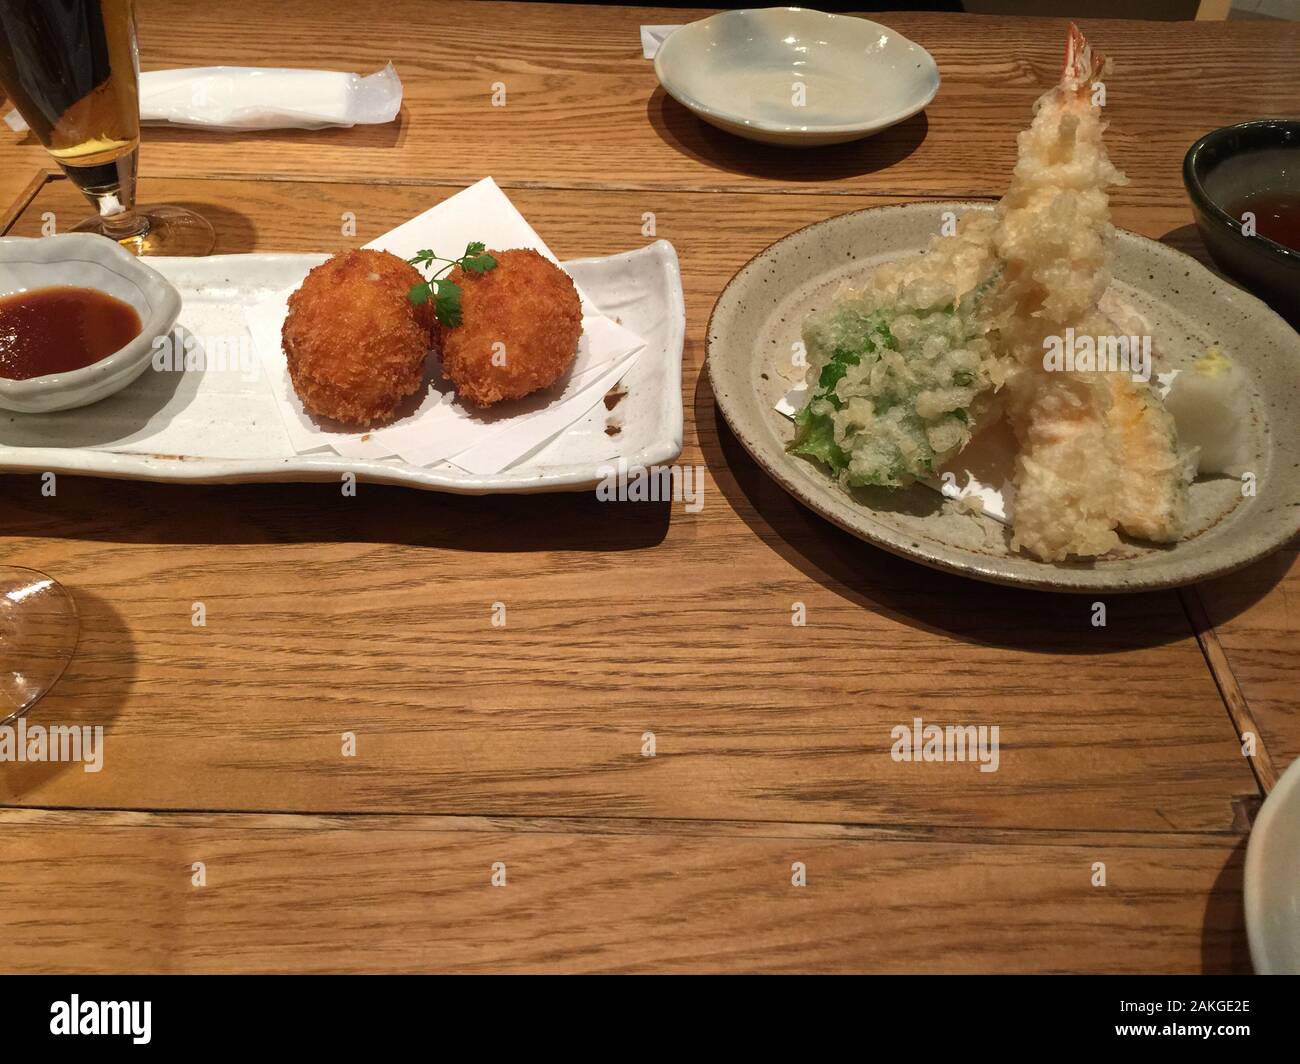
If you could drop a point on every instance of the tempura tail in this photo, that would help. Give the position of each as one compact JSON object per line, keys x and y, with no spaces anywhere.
{"x":1054,"y":234}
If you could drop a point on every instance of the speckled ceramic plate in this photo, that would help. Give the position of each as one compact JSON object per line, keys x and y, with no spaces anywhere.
{"x":757,"y":320}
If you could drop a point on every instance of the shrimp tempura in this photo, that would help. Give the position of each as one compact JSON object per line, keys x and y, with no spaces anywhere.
{"x":1075,"y":482}
{"x":934,"y":348}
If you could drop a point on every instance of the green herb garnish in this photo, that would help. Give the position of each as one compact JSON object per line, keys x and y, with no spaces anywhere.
{"x":815,"y":438}
{"x":814,"y":427}
{"x":445,"y":294}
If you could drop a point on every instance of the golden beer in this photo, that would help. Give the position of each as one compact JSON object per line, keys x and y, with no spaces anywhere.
{"x":72,"y":69}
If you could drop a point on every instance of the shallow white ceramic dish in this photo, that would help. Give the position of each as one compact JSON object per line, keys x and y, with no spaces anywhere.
{"x":216,"y":425}
{"x":757,"y":320}
{"x":739,"y":70}
{"x":1272,"y":882}
{"x":84,"y":260}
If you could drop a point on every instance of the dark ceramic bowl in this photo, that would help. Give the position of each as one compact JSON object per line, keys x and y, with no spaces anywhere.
{"x":1220,"y":171}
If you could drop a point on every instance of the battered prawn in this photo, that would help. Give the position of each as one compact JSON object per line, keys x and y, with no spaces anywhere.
{"x":936,"y":347}
{"x":1097,"y":451}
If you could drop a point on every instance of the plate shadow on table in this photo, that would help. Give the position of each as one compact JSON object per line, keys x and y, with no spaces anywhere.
{"x":128,"y":511}
{"x":104,"y":663}
{"x":684,"y":132}
{"x":1224,"y":947}
{"x":914,"y":594}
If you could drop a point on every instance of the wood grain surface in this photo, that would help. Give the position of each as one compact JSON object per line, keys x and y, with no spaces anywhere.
{"x":1256,"y":617}
{"x":524,"y":744}
{"x":583,"y":108}
{"x":621,"y":619}
{"x":387,"y":893}
{"x":579,"y":92}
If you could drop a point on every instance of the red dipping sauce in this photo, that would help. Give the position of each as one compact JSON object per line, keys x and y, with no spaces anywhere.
{"x":1277,"y":215}
{"x":61,"y":328}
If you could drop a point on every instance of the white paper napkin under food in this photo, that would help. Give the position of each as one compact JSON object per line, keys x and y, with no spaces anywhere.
{"x":652,"y":37}
{"x":228,"y":97}
{"x":436,"y":427}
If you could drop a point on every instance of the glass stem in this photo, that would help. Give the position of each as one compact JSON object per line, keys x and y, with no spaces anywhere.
{"x":110,"y":187}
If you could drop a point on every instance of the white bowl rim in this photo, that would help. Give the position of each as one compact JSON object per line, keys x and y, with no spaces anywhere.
{"x":790,"y":129}
{"x":1252,"y":890}
{"x":145,"y":277}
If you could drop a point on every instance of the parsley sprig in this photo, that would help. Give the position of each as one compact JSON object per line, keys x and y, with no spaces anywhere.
{"x":445,"y":294}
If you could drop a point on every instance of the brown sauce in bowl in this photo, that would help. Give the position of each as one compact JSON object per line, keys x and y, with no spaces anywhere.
{"x":1277,"y":215}
{"x":61,"y":328}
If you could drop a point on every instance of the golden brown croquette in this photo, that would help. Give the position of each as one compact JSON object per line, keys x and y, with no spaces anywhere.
{"x":354,"y":342}
{"x":521,"y":322}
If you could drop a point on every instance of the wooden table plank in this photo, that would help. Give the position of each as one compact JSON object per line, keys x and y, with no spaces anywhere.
{"x":251,"y":215}
{"x":18,"y":184}
{"x":575,"y":77}
{"x":374,"y":619}
{"x":114,"y":892}
{"x":328,"y":614}
{"x":1256,"y":618}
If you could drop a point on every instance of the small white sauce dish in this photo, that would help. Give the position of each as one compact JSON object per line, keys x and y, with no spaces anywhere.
{"x":84,"y":260}
{"x":795,"y":77}
{"x":1271,"y":890}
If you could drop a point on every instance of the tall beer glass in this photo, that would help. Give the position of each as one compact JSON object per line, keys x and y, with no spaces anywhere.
{"x":71,"y":67}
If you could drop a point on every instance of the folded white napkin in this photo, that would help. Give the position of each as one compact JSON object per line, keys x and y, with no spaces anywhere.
{"x":652,"y":37}
{"x":439,"y":428}
{"x":224,"y":97}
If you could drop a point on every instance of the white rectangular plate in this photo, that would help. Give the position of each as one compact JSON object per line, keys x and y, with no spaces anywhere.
{"x":218,"y":425}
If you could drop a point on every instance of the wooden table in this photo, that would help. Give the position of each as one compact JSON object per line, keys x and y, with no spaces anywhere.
{"x":523,"y":746}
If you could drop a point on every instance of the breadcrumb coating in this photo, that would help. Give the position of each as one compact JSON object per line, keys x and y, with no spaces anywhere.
{"x":521,"y":323}
{"x":354,"y":342}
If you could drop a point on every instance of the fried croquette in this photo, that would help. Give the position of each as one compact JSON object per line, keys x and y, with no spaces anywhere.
{"x":521,"y":322}
{"x":354,"y":342}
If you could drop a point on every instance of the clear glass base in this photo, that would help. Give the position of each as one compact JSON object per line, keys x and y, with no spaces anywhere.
{"x":38,"y":634}
{"x":166,"y":230}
